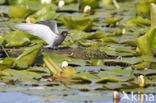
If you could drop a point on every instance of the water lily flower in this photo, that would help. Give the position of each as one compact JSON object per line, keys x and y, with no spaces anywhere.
{"x":116,"y":96}
{"x":46,"y":1}
{"x":61,"y":3}
{"x":64,"y":64}
{"x":28,"y":21}
{"x":141,"y":81}
{"x":87,"y":9}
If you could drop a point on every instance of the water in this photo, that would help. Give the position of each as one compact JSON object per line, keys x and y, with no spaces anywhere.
{"x":18,"y":97}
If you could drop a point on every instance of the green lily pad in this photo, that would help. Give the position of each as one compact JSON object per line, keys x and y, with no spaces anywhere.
{"x":80,"y":23}
{"x":22,"y":75}
{"x":97,"y":63}
{"x":28,"y":57}
{"x":143,"y":8}
{"x":16,"y":39}
{"x":147,"y":41}
{"x":119,"y":85}
{"x":85,"y":77}
{"x":115,"y":75}
{"x":19,"y":12}
{"x":145,"y":72}
{"x":97,"y":35}
{"x":46,"y":13}
{"x":112,"y":20}
{"x":2,"y":73}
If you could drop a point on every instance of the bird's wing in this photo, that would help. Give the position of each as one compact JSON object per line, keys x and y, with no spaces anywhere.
{"x":52,"y":25}
{"x":39,"y":30}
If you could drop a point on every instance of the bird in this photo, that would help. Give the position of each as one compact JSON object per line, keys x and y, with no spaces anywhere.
{"x":46,"y":30}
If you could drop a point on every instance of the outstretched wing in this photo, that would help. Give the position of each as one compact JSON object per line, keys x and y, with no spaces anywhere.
{"x":39,"y":30}
{"x":52,"y":25}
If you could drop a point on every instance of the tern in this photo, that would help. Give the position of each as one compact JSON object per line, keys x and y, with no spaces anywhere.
{"x":46,"y":30}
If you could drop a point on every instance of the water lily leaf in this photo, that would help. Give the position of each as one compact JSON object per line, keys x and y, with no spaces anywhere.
{"x":4,"y":73}
{"x":143,"y":8}
{"x":48,"y":16}
{"x":86,"y":86}
{"x":116,"y":62}
{"x":46,"y":13}
{"x":142,"y":65}
{"x":53,"y":68}
{"x":115,"y":75}
{"x":85,"y":77}
{"x":9,"y":62}
{"x":138,"y":21}
{"x":151,"y":34}
{"x":107,"y":2}
{"x":2,"y":1}
{"x":22,"y":75}
{"x":28,"y":57}
{"x":3,"y":66}
{"x":15,"y":2}
{"x":150,"y":90}
{"x":112,"y":20}
{"x":153,"y":14}
{"x":147,"y":41}
{"x":119,"y":85}
{"x":33,"y":4}
{"x":108,"y":79}
{"x":142,"y":43}
{"x":60,"y":58}
{"x":145,"y":72}
{"x":19,"y":12}
{"x":97,"y":63}
{"x":97,"y":35}
{"x":68,"y":72}
{"x":80,"y":23}
{"x":88,"y":43}
{"x":143,"y":21}
{"x":16,"y":39}
{"x":70,"y":7}
{"x":96,"y":68}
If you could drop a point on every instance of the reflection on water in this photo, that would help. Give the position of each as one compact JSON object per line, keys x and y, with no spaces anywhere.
{"x":18,"y":97}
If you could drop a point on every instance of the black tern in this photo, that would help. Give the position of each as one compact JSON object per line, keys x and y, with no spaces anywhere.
{"x":46,"y":30}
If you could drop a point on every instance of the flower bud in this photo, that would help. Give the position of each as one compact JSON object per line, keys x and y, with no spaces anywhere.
{"x":64,"y":64}
{"x":87,"y":9}
{"x":141,"y":81}
{"x":61,"y":3}
{"x":28,"y":21}
{"x":116,"y":96}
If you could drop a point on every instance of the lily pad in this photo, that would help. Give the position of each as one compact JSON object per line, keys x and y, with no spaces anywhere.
{"x":16,"y":39}
{"x":115,"y":75}
{"x":19,"y":12}
{"x":112,"y":20}
{"x":22,"y":75}
{"x":28,"y":57}
{"x":80,"y":23}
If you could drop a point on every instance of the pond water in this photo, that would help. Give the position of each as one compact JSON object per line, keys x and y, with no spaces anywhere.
{"x":18,"y":97}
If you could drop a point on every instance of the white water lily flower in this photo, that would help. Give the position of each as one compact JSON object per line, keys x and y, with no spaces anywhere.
{"x":116,"y":95}
{"x":28,"y":21}
{"x":87,"y":9}
{"x":46,"y":1}
{"x":61,"y":3}
{"x":64,"y":64}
